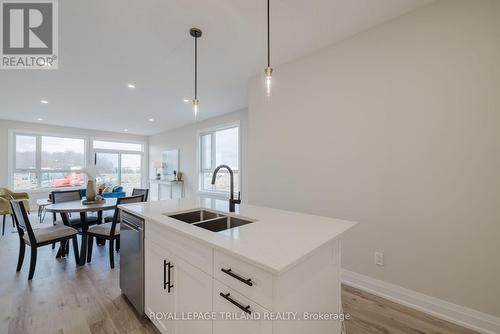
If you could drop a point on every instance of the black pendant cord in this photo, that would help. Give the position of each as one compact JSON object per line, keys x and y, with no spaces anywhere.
{"x":196,"y":68}
{"x":268,"y":38}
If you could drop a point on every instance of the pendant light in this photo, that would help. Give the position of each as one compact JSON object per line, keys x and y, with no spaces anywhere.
{"x":269,"y":70}
{"x":195,"y":33}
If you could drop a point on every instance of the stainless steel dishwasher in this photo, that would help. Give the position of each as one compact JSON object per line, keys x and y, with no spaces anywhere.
{"x":132,"y":259}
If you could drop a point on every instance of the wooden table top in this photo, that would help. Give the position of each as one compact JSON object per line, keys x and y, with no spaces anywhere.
{"x":78,"y":206}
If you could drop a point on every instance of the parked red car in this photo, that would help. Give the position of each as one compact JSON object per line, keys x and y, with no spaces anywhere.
{"x":68,"y":181}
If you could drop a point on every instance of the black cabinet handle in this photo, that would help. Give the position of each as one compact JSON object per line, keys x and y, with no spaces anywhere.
{"x":227,"y":297}
{"x":247,"y":281}
{"x":166,"y":276}
{"x":169,"y":286}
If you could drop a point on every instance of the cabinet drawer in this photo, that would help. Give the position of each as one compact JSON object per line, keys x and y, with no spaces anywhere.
{"x":252,"y":282}
{"x":234,"y":303}
{"x":195,"y":253}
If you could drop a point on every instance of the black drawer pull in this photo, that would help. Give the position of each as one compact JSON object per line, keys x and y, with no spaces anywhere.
{"x":245,"y":309}
{"x":166,"y":276}
{"x":247,"y":281}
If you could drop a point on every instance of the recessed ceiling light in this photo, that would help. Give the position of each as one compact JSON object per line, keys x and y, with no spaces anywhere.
{"x":39,"y":119}
{"x":125,"y":130}
{"x":44,"y":102}
{"x":186,"y":100}
{"x":131,"y":86}
{"x":151,"y":119}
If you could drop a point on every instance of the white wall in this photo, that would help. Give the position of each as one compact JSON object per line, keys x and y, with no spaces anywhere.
{"x":186,"y":139}
{"x":397,"y":128}
{"x":6,"y":125}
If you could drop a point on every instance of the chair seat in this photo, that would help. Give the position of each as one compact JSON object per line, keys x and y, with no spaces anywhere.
{"x":104,"y":229}
{"x":51,"y":233}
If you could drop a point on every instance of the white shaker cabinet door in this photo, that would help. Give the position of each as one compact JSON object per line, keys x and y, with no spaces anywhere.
{"x":192,"y":290}
{"x":159,"y":301}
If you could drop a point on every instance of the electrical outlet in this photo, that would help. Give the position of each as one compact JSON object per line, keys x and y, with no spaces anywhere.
{"x":379,"y":258}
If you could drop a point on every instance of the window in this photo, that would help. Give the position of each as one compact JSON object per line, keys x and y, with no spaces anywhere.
{"x":107,"y":165}
{"x":119,"y":163}
{"x":217,"y":147}
{"x":48,"y":161}
{"x":111,"y":145}
{"x":43,"y":161}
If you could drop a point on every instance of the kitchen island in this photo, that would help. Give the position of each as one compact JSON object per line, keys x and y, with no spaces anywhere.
{"x":257,"y":270}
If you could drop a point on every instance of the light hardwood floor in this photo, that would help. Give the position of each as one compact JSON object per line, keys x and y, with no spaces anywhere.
{"x":374,"y":315}
{"x":63,"y":298}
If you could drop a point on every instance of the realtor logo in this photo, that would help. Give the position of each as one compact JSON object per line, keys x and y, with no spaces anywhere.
{"x":29,"y":34}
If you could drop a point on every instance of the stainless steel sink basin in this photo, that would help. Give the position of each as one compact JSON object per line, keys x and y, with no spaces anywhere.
{"x":195,"y":216}
{"x":209,"y":220}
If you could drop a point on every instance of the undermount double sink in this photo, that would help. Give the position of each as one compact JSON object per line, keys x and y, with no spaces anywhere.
{"x":210,"y":220}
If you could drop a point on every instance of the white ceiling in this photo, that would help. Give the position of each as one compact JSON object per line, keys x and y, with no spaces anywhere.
{"x":103,"y":45}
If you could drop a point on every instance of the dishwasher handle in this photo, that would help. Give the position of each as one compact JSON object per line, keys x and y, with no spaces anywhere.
{"x":133,"y":227}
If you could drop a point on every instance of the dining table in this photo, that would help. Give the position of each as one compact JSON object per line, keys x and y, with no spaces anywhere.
{"x":66,"y":208}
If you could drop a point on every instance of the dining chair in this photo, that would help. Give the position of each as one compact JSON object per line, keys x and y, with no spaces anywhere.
{"x":5,"y":211}
{"x":139,"y":191}
{"x":5,"y":196}
{"x":110,"y":231}
{"x":135,"y":192}
{"x":60,"y":196}
{"x":39,"y":237}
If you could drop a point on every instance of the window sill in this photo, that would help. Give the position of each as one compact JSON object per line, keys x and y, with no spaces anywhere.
{"x":46,"y":190}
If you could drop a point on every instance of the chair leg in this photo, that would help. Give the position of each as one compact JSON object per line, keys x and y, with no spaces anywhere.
{"x":90,"y":244}
{"x":13,"y":224}
{"x":32,"y":262}
{"x":111,"y":253}
{"x":63,"y":248}
{"x":118,"y":244}
{"x":53,"y":245}
{"x":75,"y":249}
{"x":67,"y":247}
{"x":3,"y":226}
{"x":22,"y":248}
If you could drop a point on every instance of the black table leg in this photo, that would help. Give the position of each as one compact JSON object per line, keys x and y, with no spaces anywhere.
{"x":40,"y":213}
{"x":66,"y":222}
{"x":83,"y":248}
{"x":100,"y":241}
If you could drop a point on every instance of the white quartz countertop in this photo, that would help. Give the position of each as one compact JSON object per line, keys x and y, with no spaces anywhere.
{"x":276,"y":241}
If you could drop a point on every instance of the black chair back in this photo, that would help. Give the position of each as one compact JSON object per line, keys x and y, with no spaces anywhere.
{"x":124,"y":200}
{"x":138,"y":191}
{"x":66,"y":196}
{"x":22,"y":220}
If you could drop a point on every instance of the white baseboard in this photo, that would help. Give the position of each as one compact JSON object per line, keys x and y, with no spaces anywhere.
{"x":460,"y":315}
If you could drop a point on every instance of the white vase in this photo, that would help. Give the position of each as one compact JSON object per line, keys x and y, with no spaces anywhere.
{"x":90,"y":191}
